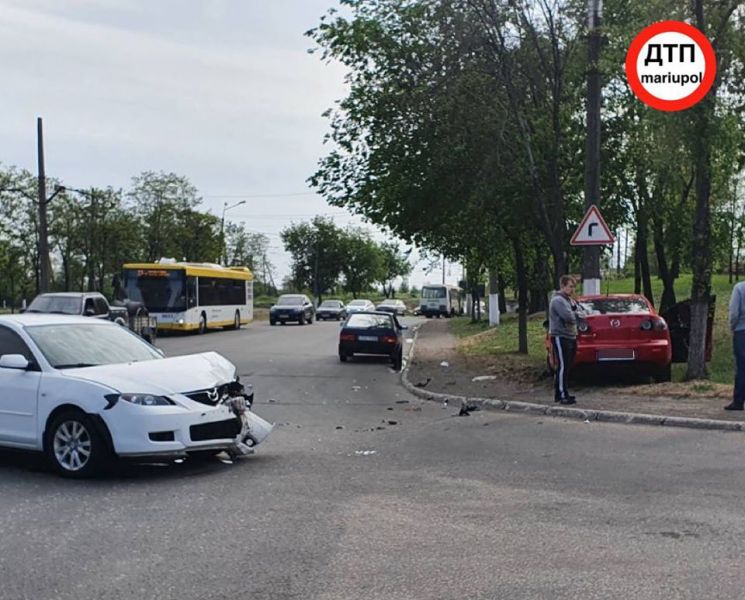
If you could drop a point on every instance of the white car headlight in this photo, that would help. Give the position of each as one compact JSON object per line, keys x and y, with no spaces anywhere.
{"x":140,"y":399}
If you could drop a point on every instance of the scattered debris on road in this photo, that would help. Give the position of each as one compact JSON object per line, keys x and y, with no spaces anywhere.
{"x":365,"y":452}
{"x":445,"y":364}
{"x":484,"y":378}
{"x":422,"y":384}
{"x":466,"y":408}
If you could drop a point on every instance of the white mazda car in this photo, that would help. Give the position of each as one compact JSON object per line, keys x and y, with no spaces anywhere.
{"x":83,"y":391}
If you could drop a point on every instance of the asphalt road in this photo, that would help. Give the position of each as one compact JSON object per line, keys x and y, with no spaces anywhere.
{"x":340,"y":503}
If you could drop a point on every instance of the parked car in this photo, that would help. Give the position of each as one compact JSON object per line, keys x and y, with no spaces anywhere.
{"x":621,"y":329}
{"x":86,"y":304}
{"x":396,"y":307}
{"x":95,"y":305}
{"x":372,"y":333}
{"x":360,"y":306}
{"x":292,"y":307}
{"x":84,"y":391}
{"x":331,"y":309}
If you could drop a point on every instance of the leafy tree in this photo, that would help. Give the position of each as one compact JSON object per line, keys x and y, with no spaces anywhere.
{"x":394,"y":264}
{"x":162,"y":201}
{"x":363,"y":261}
{"x":317,"y":250}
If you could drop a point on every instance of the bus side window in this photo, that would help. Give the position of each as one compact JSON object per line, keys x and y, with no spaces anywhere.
{"x":191,"y":292}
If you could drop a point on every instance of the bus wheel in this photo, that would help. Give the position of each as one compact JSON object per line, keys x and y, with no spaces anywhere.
{"x":202,"y":324}
{"x":237,"y":321}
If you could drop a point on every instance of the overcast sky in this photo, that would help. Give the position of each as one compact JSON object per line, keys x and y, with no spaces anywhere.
{"x":221,"y":91}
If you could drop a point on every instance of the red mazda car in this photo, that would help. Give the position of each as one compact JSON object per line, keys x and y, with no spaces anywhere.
{"x":621,"y":329}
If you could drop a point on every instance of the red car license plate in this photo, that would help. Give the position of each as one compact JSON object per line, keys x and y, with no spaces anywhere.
{"x":616,"y":354}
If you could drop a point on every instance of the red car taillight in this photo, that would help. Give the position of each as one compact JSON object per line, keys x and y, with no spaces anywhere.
{"x":348,"y":337}
{"x":389,"y":339}
{"x":656,"y":323}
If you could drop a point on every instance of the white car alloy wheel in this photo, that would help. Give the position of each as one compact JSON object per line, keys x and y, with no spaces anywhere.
{"x":72,"y":445}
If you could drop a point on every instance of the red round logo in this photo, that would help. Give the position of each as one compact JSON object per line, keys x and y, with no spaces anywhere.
{"x":671,"y":65}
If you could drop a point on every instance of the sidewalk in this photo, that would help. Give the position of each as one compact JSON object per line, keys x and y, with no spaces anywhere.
{"x":435,"y":345}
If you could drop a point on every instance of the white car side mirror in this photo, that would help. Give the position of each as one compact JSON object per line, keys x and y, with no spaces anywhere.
{"x":13,"y":361}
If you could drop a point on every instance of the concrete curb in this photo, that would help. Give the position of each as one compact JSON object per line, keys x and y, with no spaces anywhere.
{"x":604,"y":416}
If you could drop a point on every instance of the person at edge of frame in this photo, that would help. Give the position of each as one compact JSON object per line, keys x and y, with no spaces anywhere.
{"x":737,"y":326}
{"x":562,"y":323}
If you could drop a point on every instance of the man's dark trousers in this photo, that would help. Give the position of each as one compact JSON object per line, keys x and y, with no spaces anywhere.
{"x":738,"y":343}
{"x":564,"y":351}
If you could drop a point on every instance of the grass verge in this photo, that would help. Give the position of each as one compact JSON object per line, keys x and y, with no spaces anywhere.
{"x":477,"y":339}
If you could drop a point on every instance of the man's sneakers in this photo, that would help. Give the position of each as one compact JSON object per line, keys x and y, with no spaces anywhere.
{"x":567,"y":400}
{"x":734,"y":406}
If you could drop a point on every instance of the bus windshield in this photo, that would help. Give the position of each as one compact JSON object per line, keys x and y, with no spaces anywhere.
{"x":160,"y":290}
{"x":434,"y":292}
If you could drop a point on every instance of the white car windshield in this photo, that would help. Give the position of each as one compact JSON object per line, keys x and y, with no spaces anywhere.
{"x":67,"y":346}
{"x":359,"y":303}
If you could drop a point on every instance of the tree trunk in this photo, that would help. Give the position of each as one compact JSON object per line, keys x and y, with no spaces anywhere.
{"x":502,"y":290}
{"x":701,"y":247}
{"x":737,"y":256}
{"x":646,"y":279}
{"x":637,"y":268}
{"x":665,"y":274}
{"x":522,"y":298}
{"x":732,"y":240}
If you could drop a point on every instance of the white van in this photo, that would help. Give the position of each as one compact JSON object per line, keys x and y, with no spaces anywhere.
{"x":441,"y":301}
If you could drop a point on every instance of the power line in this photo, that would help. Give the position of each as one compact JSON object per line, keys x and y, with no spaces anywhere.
{"x":262,"y":195}
{"x":238,"y":214}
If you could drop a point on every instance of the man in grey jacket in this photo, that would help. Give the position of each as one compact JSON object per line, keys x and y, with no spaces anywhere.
{"x":737,"y":326}
{"x":562,"y":327}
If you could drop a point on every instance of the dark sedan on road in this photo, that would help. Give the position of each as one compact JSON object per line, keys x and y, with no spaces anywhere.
{"x":372,"y":333}
{"x":331,"y":309}
{"x":292,"y":307}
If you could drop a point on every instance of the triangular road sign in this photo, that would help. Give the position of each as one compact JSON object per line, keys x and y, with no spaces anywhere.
{"x":593,"y":230}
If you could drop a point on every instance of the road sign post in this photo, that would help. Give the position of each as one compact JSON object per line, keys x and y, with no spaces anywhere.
{"x":592,"y":232}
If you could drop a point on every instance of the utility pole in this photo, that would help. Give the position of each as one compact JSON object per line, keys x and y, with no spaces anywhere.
{"x":591,"y":254}
{"x":443,"y":269}
{"x":42,"y":208}
{"x":224,"y":248}
{"x":315,"y":272}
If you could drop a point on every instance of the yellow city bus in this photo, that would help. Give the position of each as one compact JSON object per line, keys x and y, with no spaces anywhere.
{"x":191,"y":296}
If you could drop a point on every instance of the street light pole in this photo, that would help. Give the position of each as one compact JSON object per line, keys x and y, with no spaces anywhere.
{"x":226,"y":208}
{"x":42,"y":210}
{"x":591,"y":254}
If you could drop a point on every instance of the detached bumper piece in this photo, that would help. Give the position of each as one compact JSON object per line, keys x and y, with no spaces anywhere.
{"x":219,"y":430}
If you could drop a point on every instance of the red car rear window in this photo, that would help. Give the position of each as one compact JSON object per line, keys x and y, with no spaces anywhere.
{"x":601,"y":306}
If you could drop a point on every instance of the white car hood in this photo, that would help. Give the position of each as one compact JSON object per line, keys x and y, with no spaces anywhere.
{"x":161,"y":376}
